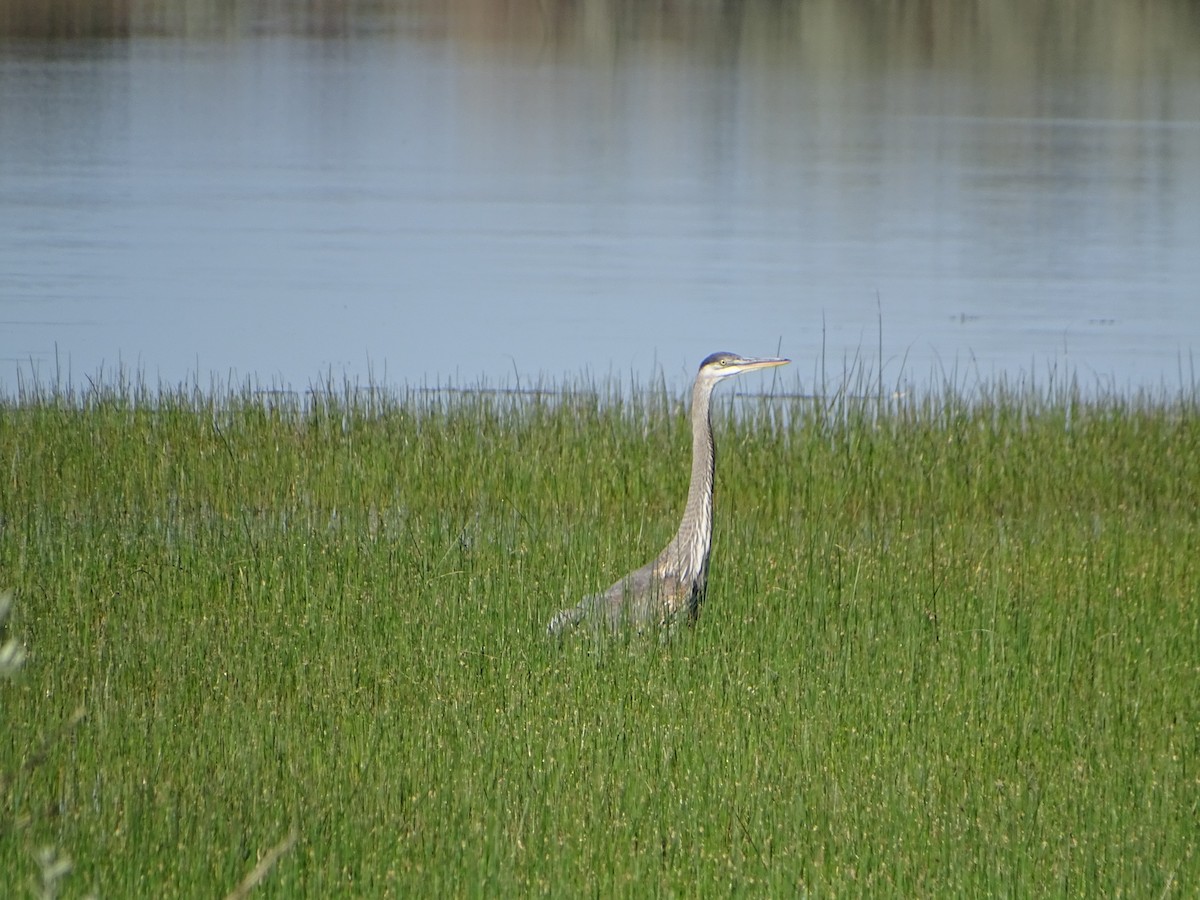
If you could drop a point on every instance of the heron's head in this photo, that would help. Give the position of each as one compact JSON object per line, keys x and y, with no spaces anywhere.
{"x":721,"y":365}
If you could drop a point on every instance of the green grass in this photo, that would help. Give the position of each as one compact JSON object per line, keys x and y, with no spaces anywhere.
{"x":951,"y":645}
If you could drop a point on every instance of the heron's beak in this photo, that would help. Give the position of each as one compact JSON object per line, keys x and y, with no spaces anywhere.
{"x":763,"y":362}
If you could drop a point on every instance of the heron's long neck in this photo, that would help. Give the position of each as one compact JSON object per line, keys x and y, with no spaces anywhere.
{"x":689,"y":549}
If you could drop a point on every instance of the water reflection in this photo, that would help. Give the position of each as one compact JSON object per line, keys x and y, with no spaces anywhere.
{"x":473,"y":188}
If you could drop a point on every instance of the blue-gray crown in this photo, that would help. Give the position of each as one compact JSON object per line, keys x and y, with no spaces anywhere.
{"x":717,"y":357}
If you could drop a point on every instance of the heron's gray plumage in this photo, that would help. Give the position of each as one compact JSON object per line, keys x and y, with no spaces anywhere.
{"x":675,"y":580}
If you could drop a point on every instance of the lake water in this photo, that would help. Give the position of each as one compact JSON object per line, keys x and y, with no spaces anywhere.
{"x":500,"y":193}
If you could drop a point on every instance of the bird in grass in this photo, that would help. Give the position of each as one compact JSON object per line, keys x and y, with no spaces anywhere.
{"x":673,"y":582}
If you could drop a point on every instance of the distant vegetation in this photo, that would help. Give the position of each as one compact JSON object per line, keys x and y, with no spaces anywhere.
{"x":1002,"y":44}
{"x":951,"y":646}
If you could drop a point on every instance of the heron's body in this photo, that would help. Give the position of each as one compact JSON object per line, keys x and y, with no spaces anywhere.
{"x":674,"y":582}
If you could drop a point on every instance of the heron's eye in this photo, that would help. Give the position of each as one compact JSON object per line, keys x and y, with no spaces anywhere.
{"x":724,"y":362}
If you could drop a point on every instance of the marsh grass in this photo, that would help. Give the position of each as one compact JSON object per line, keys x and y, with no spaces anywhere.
{"x":951,"y":644}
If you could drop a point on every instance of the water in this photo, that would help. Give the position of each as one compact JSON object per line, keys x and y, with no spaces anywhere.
{"x":431,"y":198}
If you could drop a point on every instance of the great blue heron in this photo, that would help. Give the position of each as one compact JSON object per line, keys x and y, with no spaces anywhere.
{"x":676,"y":579}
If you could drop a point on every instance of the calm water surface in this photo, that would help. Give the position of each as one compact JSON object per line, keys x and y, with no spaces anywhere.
{"x":460,"y":204}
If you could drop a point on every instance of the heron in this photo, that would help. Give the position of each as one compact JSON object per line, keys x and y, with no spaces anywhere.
{"x":675,"y":581}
